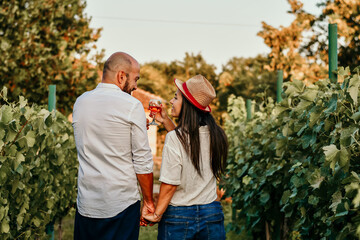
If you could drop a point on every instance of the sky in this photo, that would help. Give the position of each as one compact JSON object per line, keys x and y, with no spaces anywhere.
{"x":164,"y":30}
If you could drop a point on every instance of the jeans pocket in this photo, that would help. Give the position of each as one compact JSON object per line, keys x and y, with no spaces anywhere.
{"x":176,"y":230}
{"x":215,"y":227}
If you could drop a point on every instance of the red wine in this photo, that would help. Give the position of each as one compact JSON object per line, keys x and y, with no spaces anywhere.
{"x":155,"y":109}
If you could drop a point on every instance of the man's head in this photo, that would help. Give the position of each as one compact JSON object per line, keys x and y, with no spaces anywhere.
{"x":122,"y":70}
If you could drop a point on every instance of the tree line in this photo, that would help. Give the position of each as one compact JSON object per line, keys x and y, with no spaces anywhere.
{"x":51,"y":42}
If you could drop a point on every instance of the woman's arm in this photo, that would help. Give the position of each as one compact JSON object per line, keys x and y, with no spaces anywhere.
{"x":164,"y":118}
{"x":166,"y":193}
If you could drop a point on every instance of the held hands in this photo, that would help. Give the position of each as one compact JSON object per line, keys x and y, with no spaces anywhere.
{"x":153,"y":217}
{"x":147,"y":208}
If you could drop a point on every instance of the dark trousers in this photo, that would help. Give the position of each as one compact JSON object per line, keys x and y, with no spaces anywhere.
{"x":124,"y":226}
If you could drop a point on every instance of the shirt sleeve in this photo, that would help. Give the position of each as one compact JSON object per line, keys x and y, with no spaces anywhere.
{"x":171,"y":165}
{"x":141,"y":152}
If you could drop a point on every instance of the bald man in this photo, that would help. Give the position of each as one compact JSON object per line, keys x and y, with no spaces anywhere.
{"x":114,"y":155}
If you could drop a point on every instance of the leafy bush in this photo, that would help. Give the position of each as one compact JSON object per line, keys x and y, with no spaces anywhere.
{"x":294,"y":167}
{"x":38,"y":168}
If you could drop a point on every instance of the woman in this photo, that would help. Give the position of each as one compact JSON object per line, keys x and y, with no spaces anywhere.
{"x":194,"y":157}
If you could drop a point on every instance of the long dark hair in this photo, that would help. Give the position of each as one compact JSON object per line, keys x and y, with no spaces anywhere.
{"x":190,"y":120}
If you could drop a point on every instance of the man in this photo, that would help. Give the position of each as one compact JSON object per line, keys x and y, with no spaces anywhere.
{"x":113,"y":153}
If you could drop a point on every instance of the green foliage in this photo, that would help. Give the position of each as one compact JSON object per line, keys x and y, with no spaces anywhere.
{"x":295,"y":165}
{"x":245,"y":77}
{"x":38,"y":168}
{"x":46,"y":42}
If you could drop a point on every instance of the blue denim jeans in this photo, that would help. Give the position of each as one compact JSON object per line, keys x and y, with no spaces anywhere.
{"x":192,"y":222}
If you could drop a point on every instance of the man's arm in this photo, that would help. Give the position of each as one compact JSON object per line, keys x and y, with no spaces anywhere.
{"x":146,"y":185}
{"x":142,"y":157}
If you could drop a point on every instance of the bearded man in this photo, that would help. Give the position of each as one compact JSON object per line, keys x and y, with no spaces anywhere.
{"x":114,"y":155}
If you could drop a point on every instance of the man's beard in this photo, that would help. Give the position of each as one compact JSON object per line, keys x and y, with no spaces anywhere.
{"x":127,"y":88}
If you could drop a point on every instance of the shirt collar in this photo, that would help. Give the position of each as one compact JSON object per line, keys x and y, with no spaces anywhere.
{"x":108,"y":85}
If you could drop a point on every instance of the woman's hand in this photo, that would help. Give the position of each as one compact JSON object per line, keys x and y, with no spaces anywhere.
{"x":164,"y":119}
{"x":162,"y":116}
{"x":152,"y":217}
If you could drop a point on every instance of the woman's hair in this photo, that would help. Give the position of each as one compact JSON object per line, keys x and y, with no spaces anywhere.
{"x":190,"y":120}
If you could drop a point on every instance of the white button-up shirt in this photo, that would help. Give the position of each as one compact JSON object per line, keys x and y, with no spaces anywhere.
{"x":112,"y":145}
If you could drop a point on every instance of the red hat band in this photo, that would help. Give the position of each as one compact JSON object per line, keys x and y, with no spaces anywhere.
{"x":192,"y":99}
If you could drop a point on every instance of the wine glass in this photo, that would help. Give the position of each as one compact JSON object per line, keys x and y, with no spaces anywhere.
{"x":154,"y":107}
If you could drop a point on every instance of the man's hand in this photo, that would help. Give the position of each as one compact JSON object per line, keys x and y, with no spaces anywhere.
{"x":152,"y":218}
{"x":148,"y":208}
{"x":147,"y":124}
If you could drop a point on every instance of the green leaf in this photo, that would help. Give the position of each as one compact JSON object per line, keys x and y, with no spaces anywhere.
{"x":19,"y":159}
{"x":30,"y":138}
{"x":336,"y":200}
{"x":5,"y":226}
{"x":344,"y":72}
{"x":309,"y":95}
{"x":264,"y":197}
{"x":4,"y":93}
{"x":316,"y":179}
{"x":285,"y":197}
{"x":330,"y":152}
{"x":297,"y":181}
{"x":22,"y":101}
{"x":20,"y":219}
{"x":356,"y":116}
{"x":279,"y":109}
{"x":313,"y":200}
{"x":331,"y":155}
{"x":353,"y":89}
{"x":5,"y":45}
{"x":36,"y":221}
{"x":344,"y":158}
{"x":246,"y":180}
{"x":280,"y":146}
{"x":6,"y":114}
{"x":2,"y":213}
{"x":20,"y":169}
{"x":2,"y":133}
{"x":302,"y":105}
{"x":346,"y":138}
{"x":356,"y":200}
{"x":314,"y":116}
{"x":332,"y":104}
{"x":356,"y":176}
{"x":342,"y":209}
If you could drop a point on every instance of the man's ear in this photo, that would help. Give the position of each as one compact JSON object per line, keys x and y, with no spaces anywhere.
{"x":121,"y":78}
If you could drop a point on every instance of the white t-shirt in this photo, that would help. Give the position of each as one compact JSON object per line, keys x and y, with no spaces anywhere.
{"x":177,"y":169}
{"x":112,"y":145}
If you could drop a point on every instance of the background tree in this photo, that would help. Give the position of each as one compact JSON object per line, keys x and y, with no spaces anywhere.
{"x":245,"y":77}
{"x":301,"y":48}
{"x":47,"y":42}
{"x":158,"y":77}
{"x":346,"y":13}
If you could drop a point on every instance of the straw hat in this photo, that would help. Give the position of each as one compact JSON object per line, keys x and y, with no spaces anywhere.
{"x":198,"y":90}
